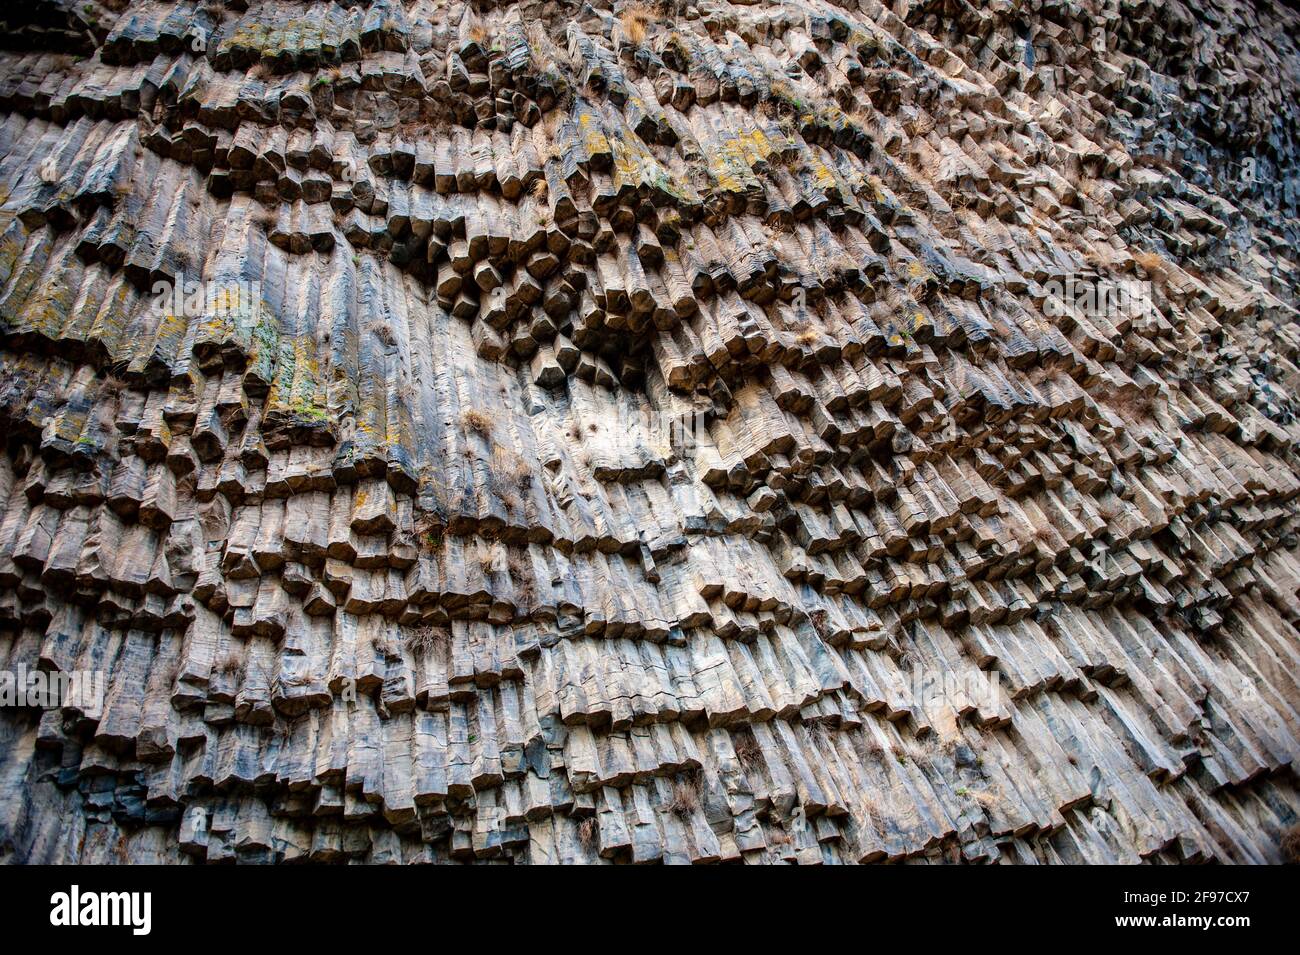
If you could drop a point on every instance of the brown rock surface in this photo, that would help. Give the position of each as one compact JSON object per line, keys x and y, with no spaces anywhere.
{"x":780,"y":432}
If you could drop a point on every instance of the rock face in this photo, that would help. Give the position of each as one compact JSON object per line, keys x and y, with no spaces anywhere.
{"x":780,"y":432}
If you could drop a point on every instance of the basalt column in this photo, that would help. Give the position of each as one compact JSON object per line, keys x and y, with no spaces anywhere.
{"x":686,"y":432}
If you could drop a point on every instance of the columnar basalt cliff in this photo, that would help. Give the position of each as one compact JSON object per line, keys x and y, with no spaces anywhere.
{"x":710,"y":431}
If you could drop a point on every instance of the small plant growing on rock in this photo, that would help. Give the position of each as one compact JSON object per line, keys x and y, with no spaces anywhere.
{"x":1151,"y":262}
{"x":686,"y":794}
{"x":587,"y":832}
{"x":480,"y":422}
{"x":421,"y":640}
{"x":384,"y":332}
{"x":428,"y":531}
{"x":748,"y":752}
{"x":634,"y":20}
{"x":1291,"y":845}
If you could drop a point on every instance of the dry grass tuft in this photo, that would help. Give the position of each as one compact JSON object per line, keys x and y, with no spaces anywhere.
{"x":1291,"y":845}
{"x":511,"y":468}
{"x":383,"y":331}
{"x":110,"y":386}
{"x":821,"y":735}
{"x":587,"y":830}
{"x":1152,"y":262}
{"x":421,"y":640}
{"x":635,"y":19}
{"x":686,"y":794}
{"x":487,"y":560}
{"x":480,"y":422}
{"x":748,"y":751}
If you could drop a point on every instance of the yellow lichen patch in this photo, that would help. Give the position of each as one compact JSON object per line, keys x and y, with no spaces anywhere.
{"x":635,"y":167}
{"x":296,"y":390}
{"x":593,"y":137}
{"x":823,"y":178}
{"x":753,"y":146}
